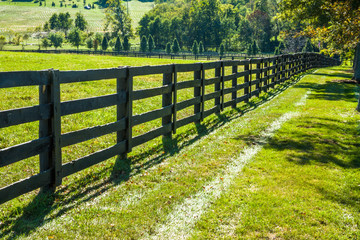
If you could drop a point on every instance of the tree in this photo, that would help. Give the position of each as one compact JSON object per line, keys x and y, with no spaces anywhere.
{"x":205,"y":21}
{"x":90,"y":43}
{"x":143,"y":44}
{"x":168,"y":48}
{"x":56,"y":39}
{"x":308,"y":47}
{"x":96,"y":44}
{"x":118,"y":45}
{"x":80,"y":22}
{"x":249,"y":50}
{"x":260,"y":23}
{"x":254,"y":47}
{"x":175,"y":48}
{"x":104,"y":44}
{"x":64,"y":22}
{"x":201,"y":47}
{"x":54,"y":22}
{"x":45,"y":43}
{"x":46,"y":27}
{"x":117,"y":19}
{"x":126,"y":43}
{"x":2,"y":42}
{"x":150,"y":43}
{"x":195,"y":48}
{"x":221,"y":50}
{"x":75,"y":37}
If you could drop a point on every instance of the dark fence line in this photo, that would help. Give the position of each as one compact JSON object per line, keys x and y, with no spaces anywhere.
{"x":183,"y":56}
{"x":258,"y":75}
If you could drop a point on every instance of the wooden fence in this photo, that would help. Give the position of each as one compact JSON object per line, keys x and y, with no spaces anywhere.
{"x":258,"y":75}
{"x":183,"y":55}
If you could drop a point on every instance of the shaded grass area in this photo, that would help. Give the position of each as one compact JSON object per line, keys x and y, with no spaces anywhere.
{"x":305,"y":183}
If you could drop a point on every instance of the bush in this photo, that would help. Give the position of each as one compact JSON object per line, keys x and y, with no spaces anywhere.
{"x":118,"y":45}
{"x":195,"y":48}
{"x":168,"y":48}
{"x":175,"y":48}
{"x":201,"y":47}
{"x":104,"y":44}
{"x":151,"y":43}
{"x":126,"y":44}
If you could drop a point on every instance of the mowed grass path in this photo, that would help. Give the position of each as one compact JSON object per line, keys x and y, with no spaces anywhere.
{"x":302,"y":181}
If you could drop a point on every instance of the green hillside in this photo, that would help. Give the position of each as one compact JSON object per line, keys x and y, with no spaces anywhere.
{"x":20,"y":16}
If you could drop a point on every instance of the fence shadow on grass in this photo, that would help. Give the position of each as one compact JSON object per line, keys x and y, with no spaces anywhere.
{"x":46,"y":207}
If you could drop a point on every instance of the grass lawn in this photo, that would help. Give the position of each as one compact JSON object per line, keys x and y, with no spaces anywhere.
{"x":300,"y":179}
{"x":19,"y":16}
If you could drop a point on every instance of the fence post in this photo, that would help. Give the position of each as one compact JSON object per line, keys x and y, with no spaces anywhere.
{"x":265,"y":70}
{"x":234,"y":85}
{"x":197,"y":93}
{"x":202,"y":91}
{"x":246,"y":80}
{"x":51,"y":160}
{"x":175,"y":98}
{"x":122,"y":85}
{"x":217,"y":85}
{"x":44,"y":131}
{"x":222,"y":85}
{"x":258,"y":78}
{"x":167,"y":101}
{"x":273,"y":72}
{"x":129,"y":100}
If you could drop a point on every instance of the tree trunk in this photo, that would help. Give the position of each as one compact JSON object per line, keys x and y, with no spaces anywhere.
{"x":357,"y":69}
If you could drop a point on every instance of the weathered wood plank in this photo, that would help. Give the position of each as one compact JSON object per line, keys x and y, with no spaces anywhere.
{"x":241,"y":99}
{"x":24,"y":115}
{"x":148,"y":70}
{"x":211,"y":65}
{"x":24,"y":186}
{"x":256,"y":60}
{"x":149,"y":116}
{"x":255,"y":82}
{"x":163,"y":130}
{"x":187,"y":103}
{"x":242,"y":86}
{"x":88,"y":104}
{"x":83,"y":135}
{"x":22,"y":151}
{"x":24,"y":78}
{"x":229,"y":90}
{"x":229,"y":103}
{"x":91,"y":75}
{"x":92,"y":159}
{"x":212,"y":95}
{"x":152,"y":92}
{"x":188,"y":67}
{"x":212,"y":81}
{"x":208,"y":112}
{"x":188,"y":120}
{"x":230,"y":63}
{"x":189,"y":84}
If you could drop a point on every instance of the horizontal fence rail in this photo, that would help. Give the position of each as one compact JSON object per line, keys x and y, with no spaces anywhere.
{"x":258,"y":75}
{"x":183,"y":55}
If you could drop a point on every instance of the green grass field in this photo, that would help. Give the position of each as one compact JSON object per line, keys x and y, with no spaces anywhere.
{"x":284,"y":166}
{"x":20,"y":16}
